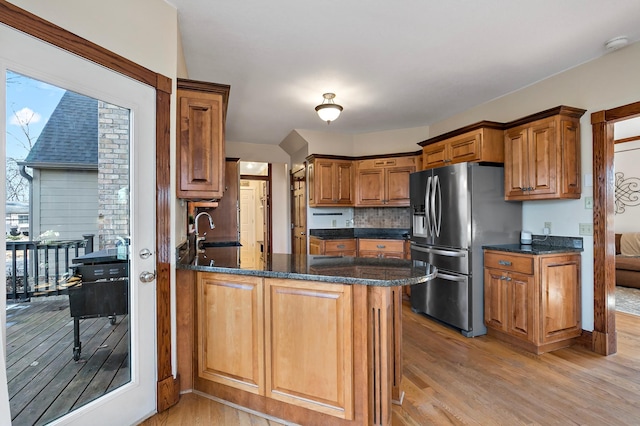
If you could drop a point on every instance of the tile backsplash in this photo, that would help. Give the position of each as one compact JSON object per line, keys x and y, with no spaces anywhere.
{"x":382,"y":217}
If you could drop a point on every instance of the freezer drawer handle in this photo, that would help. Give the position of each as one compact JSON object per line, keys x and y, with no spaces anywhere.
{"x":437,"y":251}
{"x":504,"y":262}
{"x":451,"y":277}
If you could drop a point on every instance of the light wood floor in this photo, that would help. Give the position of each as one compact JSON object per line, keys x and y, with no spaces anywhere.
{"x":453,"y":380}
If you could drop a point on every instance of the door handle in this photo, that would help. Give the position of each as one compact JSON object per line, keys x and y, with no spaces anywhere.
{"x":451,"y":277}
{"x":145,"y":253}
{"x":449,"y":253}
{"x":147,"y":277}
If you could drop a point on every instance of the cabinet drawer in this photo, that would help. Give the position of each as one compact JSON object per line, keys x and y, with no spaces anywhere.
{"x":340,"y":245}
{"x":376,"y":163}
{"x":509,"y":262}
{"x":380,"y":245}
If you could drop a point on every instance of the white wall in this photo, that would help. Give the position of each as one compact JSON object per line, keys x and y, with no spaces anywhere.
{"x":280,"y":209}
{"x":604,"y":83}
{"x":391,"y":141}
{"x":325,"y":217}
{"x":626,"y":160}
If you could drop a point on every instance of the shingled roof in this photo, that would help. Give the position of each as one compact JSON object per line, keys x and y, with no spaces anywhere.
{"x":70,"y":137}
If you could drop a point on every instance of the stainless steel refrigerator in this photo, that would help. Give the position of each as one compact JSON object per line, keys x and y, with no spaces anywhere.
{"x":455,"y":211}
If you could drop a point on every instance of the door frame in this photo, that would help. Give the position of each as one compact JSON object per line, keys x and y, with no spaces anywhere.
{"x":604,"y":338}
{"x":167,"y":390}
{"x":269,"y":231}
{"x":298,"y":175}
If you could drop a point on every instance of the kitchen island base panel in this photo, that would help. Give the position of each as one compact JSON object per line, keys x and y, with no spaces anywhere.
{"x":376,"y":363}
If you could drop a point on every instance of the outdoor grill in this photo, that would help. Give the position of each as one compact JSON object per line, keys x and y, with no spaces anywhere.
{"x":103,"y":291}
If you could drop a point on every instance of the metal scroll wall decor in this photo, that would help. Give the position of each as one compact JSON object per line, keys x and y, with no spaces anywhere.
{"x":627,"y":192}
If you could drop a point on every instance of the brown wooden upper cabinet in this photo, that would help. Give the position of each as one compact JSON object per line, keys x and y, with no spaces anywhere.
{"x":331,"y":181}
{"x":542,"y":155}
{"x":202,"y":109}
{"x":482,"y":141}
{"x":382,"y":182}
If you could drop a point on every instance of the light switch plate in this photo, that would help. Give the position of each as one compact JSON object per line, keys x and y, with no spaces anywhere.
{"x":585,"y":228}
{"x":588,"y":180}
{"x":588,"y":202}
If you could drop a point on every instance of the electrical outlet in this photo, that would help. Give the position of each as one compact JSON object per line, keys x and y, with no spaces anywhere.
{"x":334,"y":223}
{"x":547,"y":228}
{"x":588,"y":202}
{"x":585,"y":228}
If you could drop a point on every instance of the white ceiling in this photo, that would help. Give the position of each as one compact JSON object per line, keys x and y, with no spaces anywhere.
{"x":392,"y":64}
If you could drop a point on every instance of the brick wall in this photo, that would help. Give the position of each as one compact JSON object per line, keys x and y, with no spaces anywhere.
{"x":113,"y":174}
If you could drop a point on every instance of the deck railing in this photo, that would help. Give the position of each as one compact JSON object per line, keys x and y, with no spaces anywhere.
{"x":35,"y":268}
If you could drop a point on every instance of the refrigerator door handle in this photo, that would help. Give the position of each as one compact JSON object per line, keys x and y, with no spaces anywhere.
{"x":427,"y":208}
{"x":437,"y":217}
{"x":448,"y":277}
{"x":449,"y":253}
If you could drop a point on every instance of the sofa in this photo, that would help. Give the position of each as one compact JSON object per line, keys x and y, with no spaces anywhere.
{"x":628,"y":259}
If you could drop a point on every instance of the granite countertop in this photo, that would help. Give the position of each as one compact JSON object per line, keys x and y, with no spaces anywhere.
{"x":372,"y":233}
{"x":542,"y":244}
{"x":333,"y":269}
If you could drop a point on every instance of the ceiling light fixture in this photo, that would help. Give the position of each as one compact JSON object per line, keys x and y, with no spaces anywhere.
{"x":328,"y":110}
{"x":616,"y":43}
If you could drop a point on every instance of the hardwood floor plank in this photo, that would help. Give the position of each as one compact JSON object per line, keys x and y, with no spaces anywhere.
{"x":453,"y":380}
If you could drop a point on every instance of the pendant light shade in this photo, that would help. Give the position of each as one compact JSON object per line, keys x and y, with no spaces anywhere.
{"x":328,"y":110}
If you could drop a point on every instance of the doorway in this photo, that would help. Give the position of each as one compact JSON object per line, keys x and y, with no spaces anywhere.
{"x":133,"y":199}
{"x":299,"y":212}
{"x":604,"y":339}
{"x":255,"y":213}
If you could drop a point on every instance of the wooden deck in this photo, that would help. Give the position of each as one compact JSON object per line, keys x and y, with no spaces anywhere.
{"x":44,"y":380}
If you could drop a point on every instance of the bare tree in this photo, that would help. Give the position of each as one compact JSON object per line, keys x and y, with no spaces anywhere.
{"x":17,"y":186}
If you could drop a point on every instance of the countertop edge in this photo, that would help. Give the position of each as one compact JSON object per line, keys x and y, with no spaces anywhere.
{"x":313,"y":277}
{"x":532,"y":249}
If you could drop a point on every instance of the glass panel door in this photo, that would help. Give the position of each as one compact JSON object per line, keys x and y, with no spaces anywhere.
{"x":80,"y":198}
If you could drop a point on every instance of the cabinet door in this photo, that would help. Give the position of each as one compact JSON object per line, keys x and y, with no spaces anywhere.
{"x":311,"y":180}
{"x":464,"y":148}
{"x":370,"y":190}
{"x":516,"y":169}
{"x":397,"y":186}
{"x":570,"y":182}
{"x":324,"y":176}
{"x":316,"y":246}
{"x":343,"y":182}
{"x":520,"y":298}
{"x":230,"y":331}
{"x":561,"y":301}
{"x":309,"y":345}
{"x":434,"y":155}
{"x":201,"y":145}
{"x":495,"y":299}
{"x":542,"y":157}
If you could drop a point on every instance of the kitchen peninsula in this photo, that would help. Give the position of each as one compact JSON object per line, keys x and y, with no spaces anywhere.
{"x":313,"y":340}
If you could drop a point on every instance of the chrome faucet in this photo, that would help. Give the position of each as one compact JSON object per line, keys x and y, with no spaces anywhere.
{"x":198,"y":237}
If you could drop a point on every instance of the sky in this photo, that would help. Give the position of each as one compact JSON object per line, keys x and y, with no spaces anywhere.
{"x":27,"y":100}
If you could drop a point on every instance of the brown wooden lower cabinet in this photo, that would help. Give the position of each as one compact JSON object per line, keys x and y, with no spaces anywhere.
{"x":334,"y":247}
{"x":308,"y":352}
{"x":391,"y":249}
{"x":533,"y":301}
